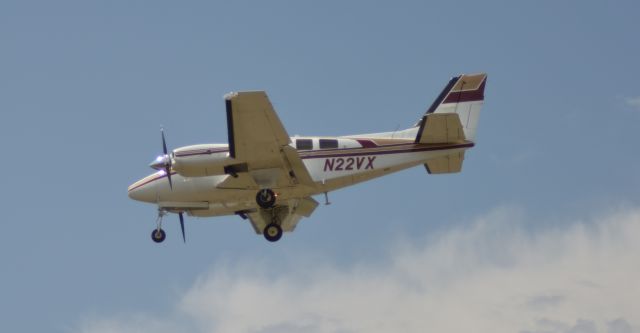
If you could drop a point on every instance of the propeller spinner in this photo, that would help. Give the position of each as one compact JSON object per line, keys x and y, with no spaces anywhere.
{"x":163,"y":162}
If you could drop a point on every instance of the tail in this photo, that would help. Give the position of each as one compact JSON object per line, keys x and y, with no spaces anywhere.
{"x":454,"y":115}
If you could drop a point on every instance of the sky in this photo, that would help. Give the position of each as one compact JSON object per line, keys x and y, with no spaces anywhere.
{"x":537,"y":234}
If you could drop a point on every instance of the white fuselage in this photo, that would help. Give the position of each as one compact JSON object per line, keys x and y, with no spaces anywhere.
{"x":355,"y":159}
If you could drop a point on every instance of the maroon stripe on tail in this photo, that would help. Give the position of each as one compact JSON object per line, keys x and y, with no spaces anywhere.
{"x":466,"y":96}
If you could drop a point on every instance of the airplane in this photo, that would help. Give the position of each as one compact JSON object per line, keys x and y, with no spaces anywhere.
{"x":270,"y":178}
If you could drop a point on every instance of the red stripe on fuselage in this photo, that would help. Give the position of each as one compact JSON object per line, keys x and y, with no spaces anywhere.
{"x":411,"y":148}
{"x":149,"y":181}
{"x":376,"y":150}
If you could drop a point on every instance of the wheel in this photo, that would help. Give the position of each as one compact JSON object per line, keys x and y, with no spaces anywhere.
{"x":272,"y":232}
{"x":266,"y":198}
{"x":158,"y":235}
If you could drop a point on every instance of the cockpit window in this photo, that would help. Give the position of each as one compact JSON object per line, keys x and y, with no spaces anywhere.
{"x":328,"y":143}
{"x":304,"y":144}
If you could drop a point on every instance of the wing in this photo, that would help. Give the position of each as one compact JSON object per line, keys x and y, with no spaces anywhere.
{"x":257,"y":138}
{"x":288,"y":214}
{"x":255,"y":132}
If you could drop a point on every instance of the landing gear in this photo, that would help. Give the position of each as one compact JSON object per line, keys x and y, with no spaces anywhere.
{"x":158,"y":235}
{"x":266,"y":198}
{"x":272,"y":232}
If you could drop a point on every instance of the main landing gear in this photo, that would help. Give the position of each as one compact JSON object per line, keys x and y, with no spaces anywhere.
{"x":266,"y":198}
{"x":272,"y":232}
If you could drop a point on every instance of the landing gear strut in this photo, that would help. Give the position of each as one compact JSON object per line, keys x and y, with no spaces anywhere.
{"x":158,"y":235}
{"x":272,"y":232}
{"x":266,"y":198}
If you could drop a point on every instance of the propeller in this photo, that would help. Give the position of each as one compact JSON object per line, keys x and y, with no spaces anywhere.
{"x":163,"y":162}
{"x":182,"y":226}
{"x":167,"y":163}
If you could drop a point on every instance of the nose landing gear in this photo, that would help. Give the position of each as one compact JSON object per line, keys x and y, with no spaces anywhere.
{"x":158,"y":235}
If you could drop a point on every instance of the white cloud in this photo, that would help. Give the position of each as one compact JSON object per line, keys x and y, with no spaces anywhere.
{"x":493,"y":275}
{"x":633,"y":102}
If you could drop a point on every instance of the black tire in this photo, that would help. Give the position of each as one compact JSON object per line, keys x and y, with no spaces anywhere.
{"x":265,"y":198}
{"x":272,"y":232}
{"x":158,"y":235}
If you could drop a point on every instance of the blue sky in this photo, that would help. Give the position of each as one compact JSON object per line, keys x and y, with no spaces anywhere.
{"x":86,"y":85}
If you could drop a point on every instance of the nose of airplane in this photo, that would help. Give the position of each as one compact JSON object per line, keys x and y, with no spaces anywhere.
{"x":141,"y":193}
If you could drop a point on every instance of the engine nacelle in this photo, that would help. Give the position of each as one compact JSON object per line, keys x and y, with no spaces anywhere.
{"x":203,"y":160}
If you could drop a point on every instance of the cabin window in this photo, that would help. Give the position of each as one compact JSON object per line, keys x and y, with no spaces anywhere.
{"x":328,"y":143}
{"x":304,"y":144}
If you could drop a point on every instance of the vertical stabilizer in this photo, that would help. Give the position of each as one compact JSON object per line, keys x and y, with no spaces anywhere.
{"x":464,"y":96}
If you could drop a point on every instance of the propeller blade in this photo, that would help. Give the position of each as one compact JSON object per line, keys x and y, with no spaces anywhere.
{"x":167,"y":165}
{"x":164,"y":143}
{"x":167,"y":169}
{"x":182,"y":226}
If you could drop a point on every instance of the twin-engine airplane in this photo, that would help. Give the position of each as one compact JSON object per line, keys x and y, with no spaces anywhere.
{"x":269,"y":178}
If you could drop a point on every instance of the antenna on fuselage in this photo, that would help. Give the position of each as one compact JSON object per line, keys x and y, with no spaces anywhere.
{"x":326,"y":199}
{"x":326,"y":196}
{"x":395,"y":131}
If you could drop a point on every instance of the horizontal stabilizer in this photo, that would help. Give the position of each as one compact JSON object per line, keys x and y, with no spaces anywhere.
{"x":441,"y":128}
{"x":451,"y":163}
